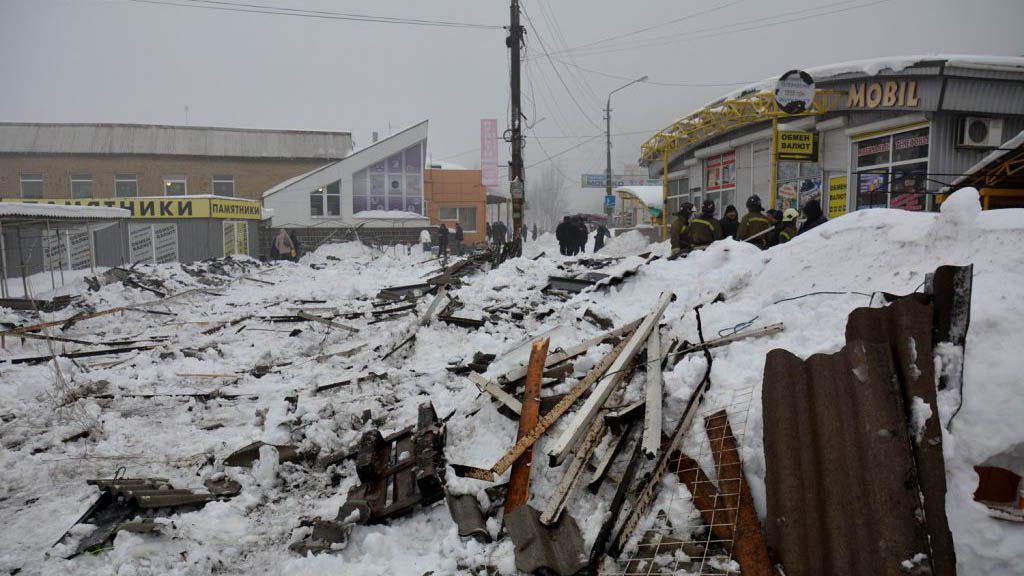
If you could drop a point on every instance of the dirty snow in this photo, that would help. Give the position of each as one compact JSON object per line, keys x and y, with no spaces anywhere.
{"x":42,"y":476}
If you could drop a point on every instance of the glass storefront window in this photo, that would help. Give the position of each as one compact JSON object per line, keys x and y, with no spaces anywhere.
{"x":393,"y":184}
{"x":873,"y":152}
{"x":892,"y":171}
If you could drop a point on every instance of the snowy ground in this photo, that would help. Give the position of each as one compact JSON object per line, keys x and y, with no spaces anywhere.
{"x":42,"y":477}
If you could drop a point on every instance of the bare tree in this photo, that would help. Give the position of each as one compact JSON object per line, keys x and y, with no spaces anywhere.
{"x":545,"y":198}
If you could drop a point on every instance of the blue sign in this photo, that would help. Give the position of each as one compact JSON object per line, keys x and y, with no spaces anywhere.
{"x":609,"y":201}
{"x":598,"y":181}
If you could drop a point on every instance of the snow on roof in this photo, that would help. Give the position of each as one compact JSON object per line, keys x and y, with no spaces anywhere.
{"x":387,"y":215}
{"x":996,"y":154}
{"x":28,"y":138}
{"x":652,"y":196}
{"x":872,"y":66}
{"x":32,"y":210}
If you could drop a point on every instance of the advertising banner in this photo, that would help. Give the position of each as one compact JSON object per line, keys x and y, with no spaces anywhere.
{"x":79,"y":249}
{"x":837,"y":196}
{"x":872,"y":190}
{"x":167,"y":207}
{"x":721,"y":171}
{"x":53,"y":252}
{"x":908,"y":187}
{"x":140,"y":243}
{"x":597,"y":181}
{"x":801,"y":146}
{"x":796,"y":193}
{"x":489,"y":152}
{"x":165,"y":243}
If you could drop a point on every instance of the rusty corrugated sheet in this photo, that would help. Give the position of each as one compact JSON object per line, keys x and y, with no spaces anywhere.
{"x":850,"y":490}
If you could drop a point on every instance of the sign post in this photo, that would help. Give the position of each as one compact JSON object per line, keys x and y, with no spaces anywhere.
{"x":794,"y":94}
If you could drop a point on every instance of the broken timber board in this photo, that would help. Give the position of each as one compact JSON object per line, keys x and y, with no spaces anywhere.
{"x":556,"y":502}
{"x":519,"y":479}
{"x":326,"y":321}
{"x":577,"y":428}
{"x":496,"y":391}
{"x":652,"y":407}
{"x":85,"y":354}
{"x":442,"y":291}
{"x":549,"y":418}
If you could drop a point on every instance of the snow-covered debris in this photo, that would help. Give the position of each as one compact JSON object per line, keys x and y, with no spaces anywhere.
{"x":145,"y":421}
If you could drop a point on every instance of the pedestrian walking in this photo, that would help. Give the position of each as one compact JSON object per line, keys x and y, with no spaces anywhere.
{"x":283,"y":245}
{"x":678,"y":232}
{"x":730,"y":222}
{"x":754,"y":222}
{"x":525,"y":232}
{"x":581,"y":235}
{"x":599,"y":237}
{"x":460,"y":236}
{"x":704,"y":229}
{"x":814,"y":216}
{"x":534,"y":232}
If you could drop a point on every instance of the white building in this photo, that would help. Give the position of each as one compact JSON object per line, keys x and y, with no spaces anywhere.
{"x":376,"y":192}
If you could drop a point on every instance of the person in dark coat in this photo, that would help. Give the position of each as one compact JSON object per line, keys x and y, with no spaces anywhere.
{"x":704,"y":229}
{"x":534,"y":231}
{"x":730,"y":222}
{"x":488,"y":234}
{"x":499,"y":233}
{"x":460,"y":235}
{"x":753,"y":223}
{"x":442,"y":241}
{"x":562,"y":233}
{"x":525,"y":232}
{"x":599,"y":237}
{"x":296,"y":245}
{"x":581,"y":235}
{"x":813,"y":215}
{"x":775,"y":216}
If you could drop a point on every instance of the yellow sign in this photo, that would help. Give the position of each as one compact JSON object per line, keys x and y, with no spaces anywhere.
{"x":166,"y":207}
{"x":836,"y":196}
{"x":888,"y":94}
{"x":797,"y":146}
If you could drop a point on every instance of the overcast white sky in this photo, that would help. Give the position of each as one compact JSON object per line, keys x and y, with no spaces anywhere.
{"x":127,"y":61}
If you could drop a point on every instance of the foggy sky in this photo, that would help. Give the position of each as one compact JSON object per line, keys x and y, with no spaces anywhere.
{"x":118,"y":61}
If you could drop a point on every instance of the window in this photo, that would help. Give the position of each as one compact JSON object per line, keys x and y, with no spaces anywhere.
{"x":326,"y":200}
{"x":31,"y":185}
{"x":892,"y":171}
{"x":466,"y":216}
{"x":224,"y":186}
{"x":175,"y":186}
{"x":395,"y":183}
{"x":81,"y":185}
{"x":720,"y":171}
{"x":798,"y":183}
{"x":126,"y":185}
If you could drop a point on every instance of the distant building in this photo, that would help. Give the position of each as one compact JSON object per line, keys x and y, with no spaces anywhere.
{"x":457,"y":195}
{"x":637,"y":206}
{"x":84,"y":161}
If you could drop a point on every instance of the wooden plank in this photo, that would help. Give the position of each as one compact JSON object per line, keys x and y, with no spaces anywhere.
{"x":485,"y":385}
{"x":574,"y":433}
{"x":549,"y":418}
{"x":326,"y":321}
{"x":572,"y":351}
{"x":442,"y":292}
{"x":652,"y":407}
{"x":519,"y":480}
{"x":556,"y":502}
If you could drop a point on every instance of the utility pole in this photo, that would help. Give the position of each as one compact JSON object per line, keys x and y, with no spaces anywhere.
{"x":610,"y":208}
{"x":517,"y":179}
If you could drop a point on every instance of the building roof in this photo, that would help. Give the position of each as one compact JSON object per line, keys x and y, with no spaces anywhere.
{"x":126,"y":139}
{"x":976,"y":172}
{"x":652,"y":196}
{"x":20,"y":210}
{"x":296,"y":179}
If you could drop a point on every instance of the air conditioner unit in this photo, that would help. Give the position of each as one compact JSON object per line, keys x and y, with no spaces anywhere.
{"x":981,"y":132}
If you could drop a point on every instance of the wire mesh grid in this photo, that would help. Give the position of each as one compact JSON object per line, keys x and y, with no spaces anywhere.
{"x":691,"y":527}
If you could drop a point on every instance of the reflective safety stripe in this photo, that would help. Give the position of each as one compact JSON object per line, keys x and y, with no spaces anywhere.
{"x":758,"y":219}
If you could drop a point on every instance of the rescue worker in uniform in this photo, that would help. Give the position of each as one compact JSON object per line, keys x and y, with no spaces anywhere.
{"x":678,"y":231}
{"x":788,"y":229}
{"x":704,"y":229}
{"x":753,"y":223}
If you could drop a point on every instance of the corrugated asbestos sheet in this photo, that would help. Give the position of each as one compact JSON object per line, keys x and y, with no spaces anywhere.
{"x":171,"y":140}
{"x":851,"y":490}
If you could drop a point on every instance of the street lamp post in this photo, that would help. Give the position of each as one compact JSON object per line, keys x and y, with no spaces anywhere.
{"x":608,"y":208}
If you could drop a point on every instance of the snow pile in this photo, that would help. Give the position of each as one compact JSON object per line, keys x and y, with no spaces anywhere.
{"x":42,"y":469}
{"x":626,"y":244}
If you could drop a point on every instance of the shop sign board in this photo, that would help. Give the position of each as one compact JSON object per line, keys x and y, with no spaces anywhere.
{"x":883,"y":94}
{"x":79,"y":249}
{"x":597,"y":181}
{"x":167,"y":207}
{"x":165,"y":243}
{"x":794,"y":92}
{"x":140,"y":243}
{"x":837,"y":196}
{"x":795,"y":145}
{"x":489,"y":152}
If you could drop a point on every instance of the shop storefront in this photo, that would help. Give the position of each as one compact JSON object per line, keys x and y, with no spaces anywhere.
{"x":891,"y":139}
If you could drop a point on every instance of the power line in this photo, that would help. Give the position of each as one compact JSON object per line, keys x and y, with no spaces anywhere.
{"x":319,"y":14}
{"x":652,"y":82}
{"x":717,"y":31}
{"x":566,"y":151}
{"x":557,"y":73}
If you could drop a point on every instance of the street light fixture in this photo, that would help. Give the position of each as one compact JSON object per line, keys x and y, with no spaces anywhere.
{"x":608,"y":145}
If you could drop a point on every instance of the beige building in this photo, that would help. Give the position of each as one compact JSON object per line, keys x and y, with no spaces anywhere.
{"x":126,"y":160}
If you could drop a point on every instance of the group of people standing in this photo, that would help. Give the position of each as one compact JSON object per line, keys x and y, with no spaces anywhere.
{"x":457,"y":236}
{"x":763,"y":228}
{"x":572,"y":235}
